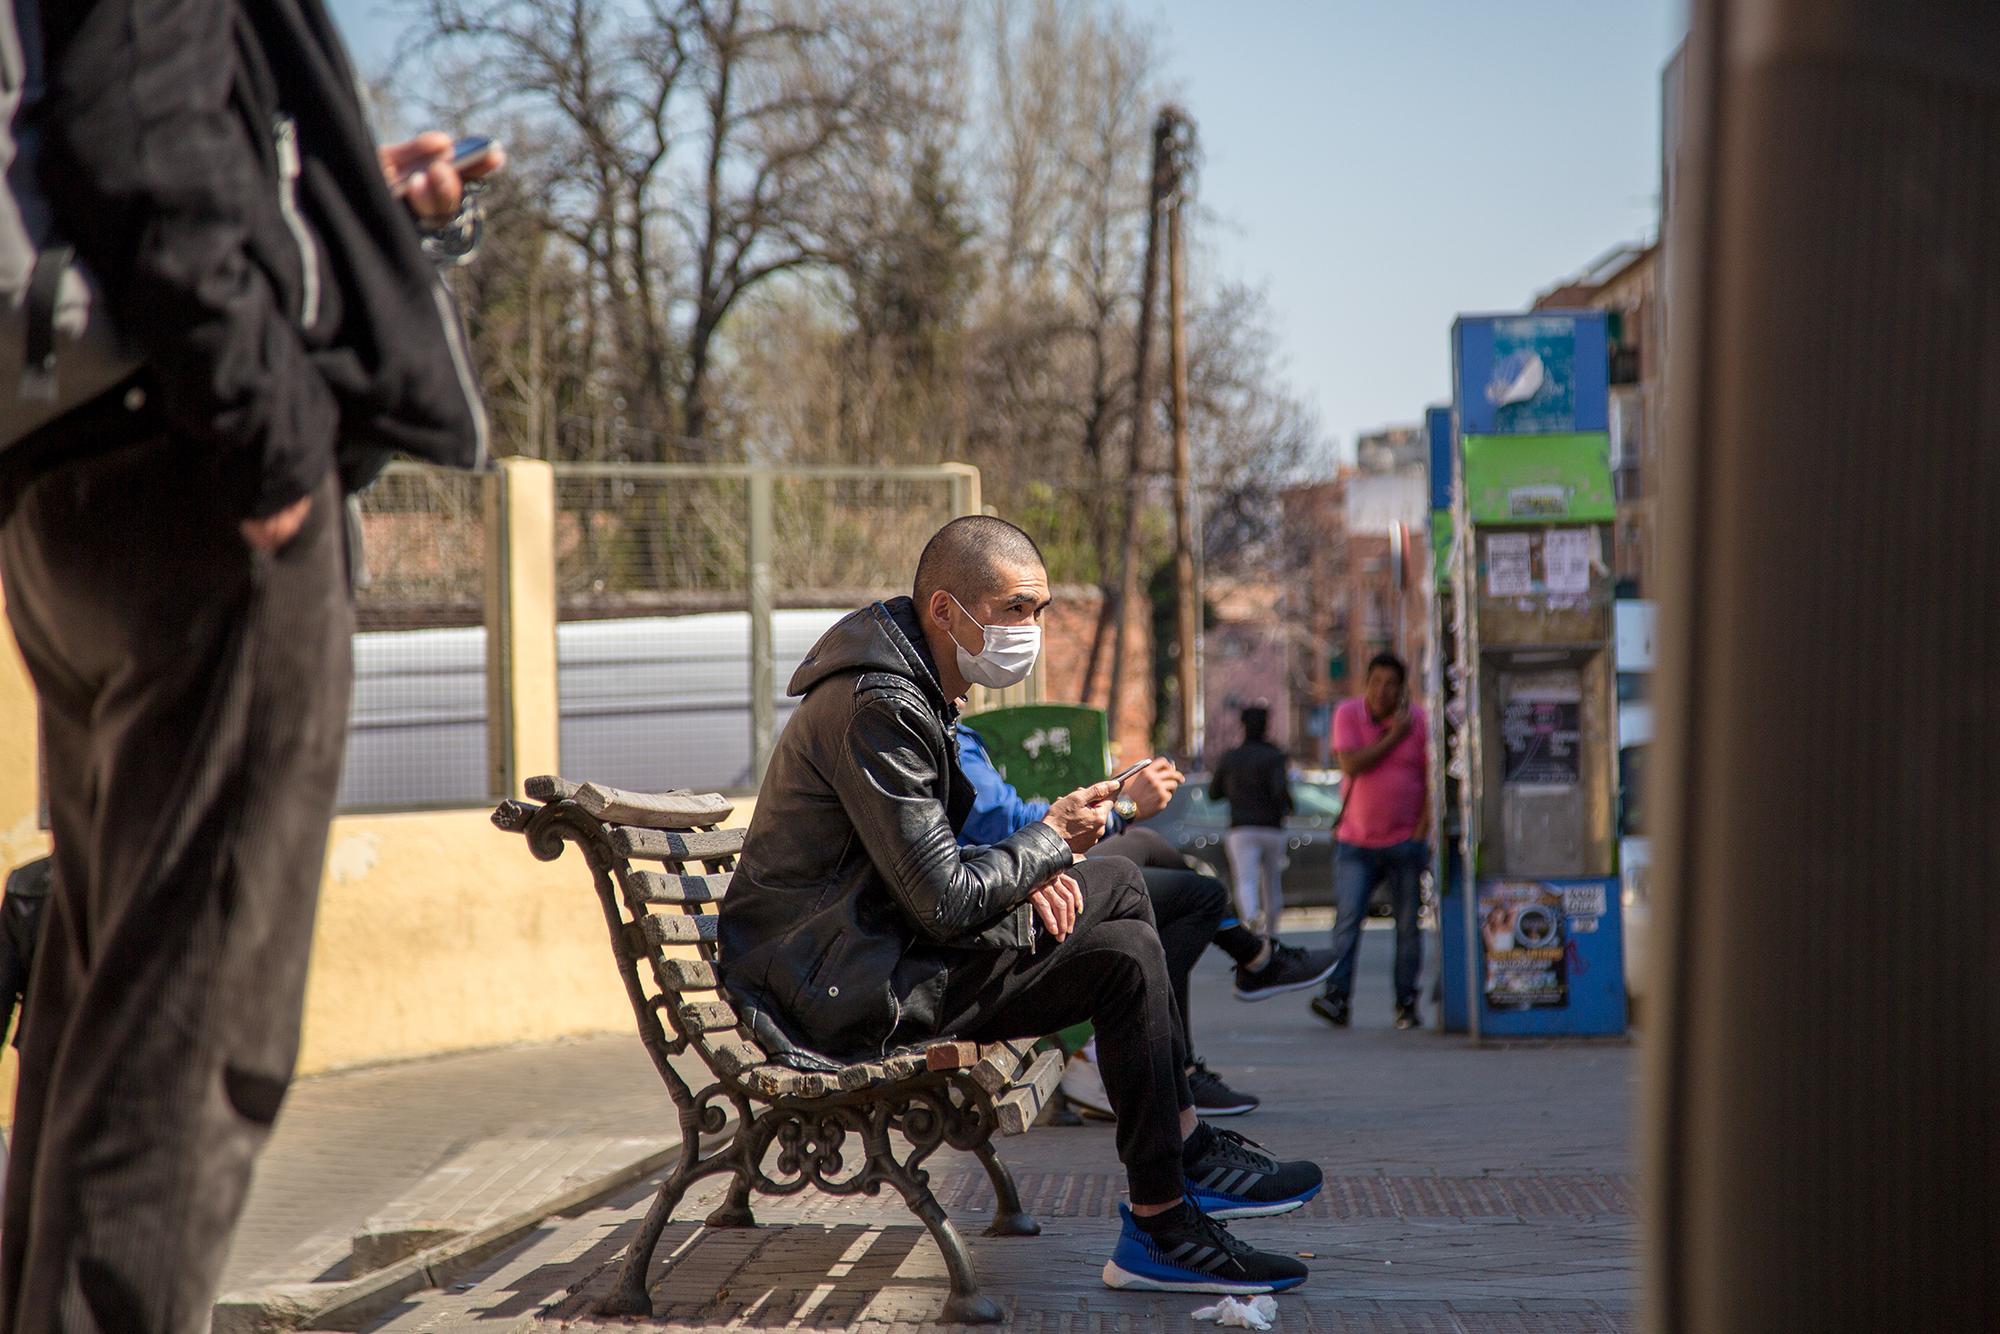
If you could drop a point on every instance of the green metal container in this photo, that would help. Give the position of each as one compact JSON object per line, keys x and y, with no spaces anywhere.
{"x":1045,"y":750}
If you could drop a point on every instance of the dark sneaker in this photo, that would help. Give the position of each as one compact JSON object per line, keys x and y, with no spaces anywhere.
{"x":1212,"y":1097}
{"x":1407,"y":1016}
{"x":1288,"y":969}
{"x":1229,"y":1176}
{"x":1059,"y":1112}
{"x":1333,"y":1009}
{"x":1194,"y":1253}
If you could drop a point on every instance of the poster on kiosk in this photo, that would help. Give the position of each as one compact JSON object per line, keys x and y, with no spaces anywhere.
{"x":1537,"y":941}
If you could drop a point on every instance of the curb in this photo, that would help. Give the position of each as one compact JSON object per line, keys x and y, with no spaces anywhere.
{"x":349,"y":1305}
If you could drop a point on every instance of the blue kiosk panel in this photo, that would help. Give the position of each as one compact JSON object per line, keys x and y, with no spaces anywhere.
{"x":1551,"y":959}
{"x":1542,"y":374}
{"x":1437,"y":430}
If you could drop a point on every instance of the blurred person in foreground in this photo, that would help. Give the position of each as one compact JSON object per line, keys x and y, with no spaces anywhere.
{"x":1191,"y":910}
{"x":177,"y":573}
{"x":1381,"y":741}
{"x":856,"y":923}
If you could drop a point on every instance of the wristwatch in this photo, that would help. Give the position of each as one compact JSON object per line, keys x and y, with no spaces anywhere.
{"x":1125,"y":808}
{"x":456,"y":241}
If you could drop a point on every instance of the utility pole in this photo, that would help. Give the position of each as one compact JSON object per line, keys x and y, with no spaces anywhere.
{"x":1186,"y":625}
{"x":1165,"y":129}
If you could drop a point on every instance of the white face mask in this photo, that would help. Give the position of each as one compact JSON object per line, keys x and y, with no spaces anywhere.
{"x":1006,"y":654}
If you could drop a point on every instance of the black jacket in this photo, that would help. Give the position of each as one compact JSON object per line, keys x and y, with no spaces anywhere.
{"x":211,"y":163}
{"x":1253,"y":779}
{"x":852,"y":900}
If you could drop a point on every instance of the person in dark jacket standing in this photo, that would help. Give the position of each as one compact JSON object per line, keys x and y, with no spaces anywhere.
{"x":1253,"y":779}
{"x":857,"y":924}
{"x":176,"y":578}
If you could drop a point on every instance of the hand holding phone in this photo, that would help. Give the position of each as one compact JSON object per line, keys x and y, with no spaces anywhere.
{"x":1125,"y":775}
{"x":467,"y":154}
{"x":1078,"y":817}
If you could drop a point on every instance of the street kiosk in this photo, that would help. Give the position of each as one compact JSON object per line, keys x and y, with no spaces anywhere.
{"x":1535,"y":935}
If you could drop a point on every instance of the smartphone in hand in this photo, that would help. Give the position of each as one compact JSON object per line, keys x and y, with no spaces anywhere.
{"x":466,"y":154}
{"x":1123,"y":775}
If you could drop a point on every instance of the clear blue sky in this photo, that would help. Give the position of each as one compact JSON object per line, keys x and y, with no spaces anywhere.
{"x":1381,"y":165}
{"x":1378,"y":166}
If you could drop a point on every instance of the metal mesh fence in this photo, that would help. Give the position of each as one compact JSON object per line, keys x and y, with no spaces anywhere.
{"x":848,"y":540}
{"x":417,"y":730}
{"x":654,"y":564}
{"x":631,"y":542}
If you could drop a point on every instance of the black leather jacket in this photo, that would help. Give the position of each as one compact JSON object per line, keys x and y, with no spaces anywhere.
{"x":852,"y":900}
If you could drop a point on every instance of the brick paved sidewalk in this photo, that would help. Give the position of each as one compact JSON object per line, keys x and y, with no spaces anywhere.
{"x":349,"y":1146}
{"x":1474,"y":1191}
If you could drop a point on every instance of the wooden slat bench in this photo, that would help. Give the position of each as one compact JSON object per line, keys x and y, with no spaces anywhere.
{"x":791,"y":1127}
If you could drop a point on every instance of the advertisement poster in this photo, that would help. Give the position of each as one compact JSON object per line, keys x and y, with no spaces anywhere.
{"x":1541,"y":734}
{"x":1521,"y":927}
{"x":1510,"y":567}
{"x":1532,"y":374}
{"x":1532,"y":384}
{"x":1567,"y":555}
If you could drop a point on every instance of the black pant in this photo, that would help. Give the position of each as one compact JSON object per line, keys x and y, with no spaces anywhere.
{"x":194,"y":703}
{"x":1142,"y":846}
{"x":1110,"y":971}
{"x":1188,"y":908}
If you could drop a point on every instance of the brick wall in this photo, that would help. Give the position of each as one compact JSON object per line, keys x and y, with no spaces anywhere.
{"x":1066,"y":636}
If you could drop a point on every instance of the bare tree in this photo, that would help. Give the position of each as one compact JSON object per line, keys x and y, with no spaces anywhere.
{"x":805,"y":230}
{"x":688,"y":143}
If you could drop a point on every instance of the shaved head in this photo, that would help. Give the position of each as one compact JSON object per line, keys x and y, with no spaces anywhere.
{"x":971,"y":557}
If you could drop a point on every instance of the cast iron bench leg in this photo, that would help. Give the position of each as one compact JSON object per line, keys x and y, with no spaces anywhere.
{"x":965,"y":1306}
{"x":631,"y":1296}
{"x":734,"y":1211}
{"x":1009,"y":1218}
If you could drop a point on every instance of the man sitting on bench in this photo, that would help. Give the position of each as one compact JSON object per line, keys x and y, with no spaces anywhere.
{"x":856,"y":924}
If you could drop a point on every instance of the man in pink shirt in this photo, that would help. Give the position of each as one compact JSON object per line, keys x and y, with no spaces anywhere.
{"x":1383,"y":833}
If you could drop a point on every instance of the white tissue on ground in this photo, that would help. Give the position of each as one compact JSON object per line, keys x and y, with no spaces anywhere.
{"x":1257,"y":1313}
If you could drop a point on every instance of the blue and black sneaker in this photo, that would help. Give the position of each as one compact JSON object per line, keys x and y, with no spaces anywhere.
{"x":1229,"y":1176}
{"x":1185,"y":1250}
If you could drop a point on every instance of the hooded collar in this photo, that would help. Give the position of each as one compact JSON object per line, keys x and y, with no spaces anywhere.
{"x":881,"y":637}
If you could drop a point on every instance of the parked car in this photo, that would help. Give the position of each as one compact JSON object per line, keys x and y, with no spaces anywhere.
{"x":1196,"y":825}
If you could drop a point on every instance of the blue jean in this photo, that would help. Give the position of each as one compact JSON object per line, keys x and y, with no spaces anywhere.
{"x":1356,"y":872}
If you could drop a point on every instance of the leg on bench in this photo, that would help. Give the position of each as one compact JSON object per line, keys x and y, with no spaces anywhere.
{"x":734,"y":1211}
{"x":1009,"y":1218}
{"x":631,"y":1296}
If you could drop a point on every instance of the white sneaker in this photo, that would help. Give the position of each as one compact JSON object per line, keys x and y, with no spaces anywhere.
{"x":1084,"y":1088}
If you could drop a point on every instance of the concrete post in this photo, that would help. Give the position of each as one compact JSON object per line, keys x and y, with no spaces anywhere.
{"x":763,"y":686}
{"x":964,"y":482}
{"x":522,"y":711}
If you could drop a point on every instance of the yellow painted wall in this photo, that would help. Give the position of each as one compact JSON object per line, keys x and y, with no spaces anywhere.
{"x":439,"y":933}
{"x":20,"y":797}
